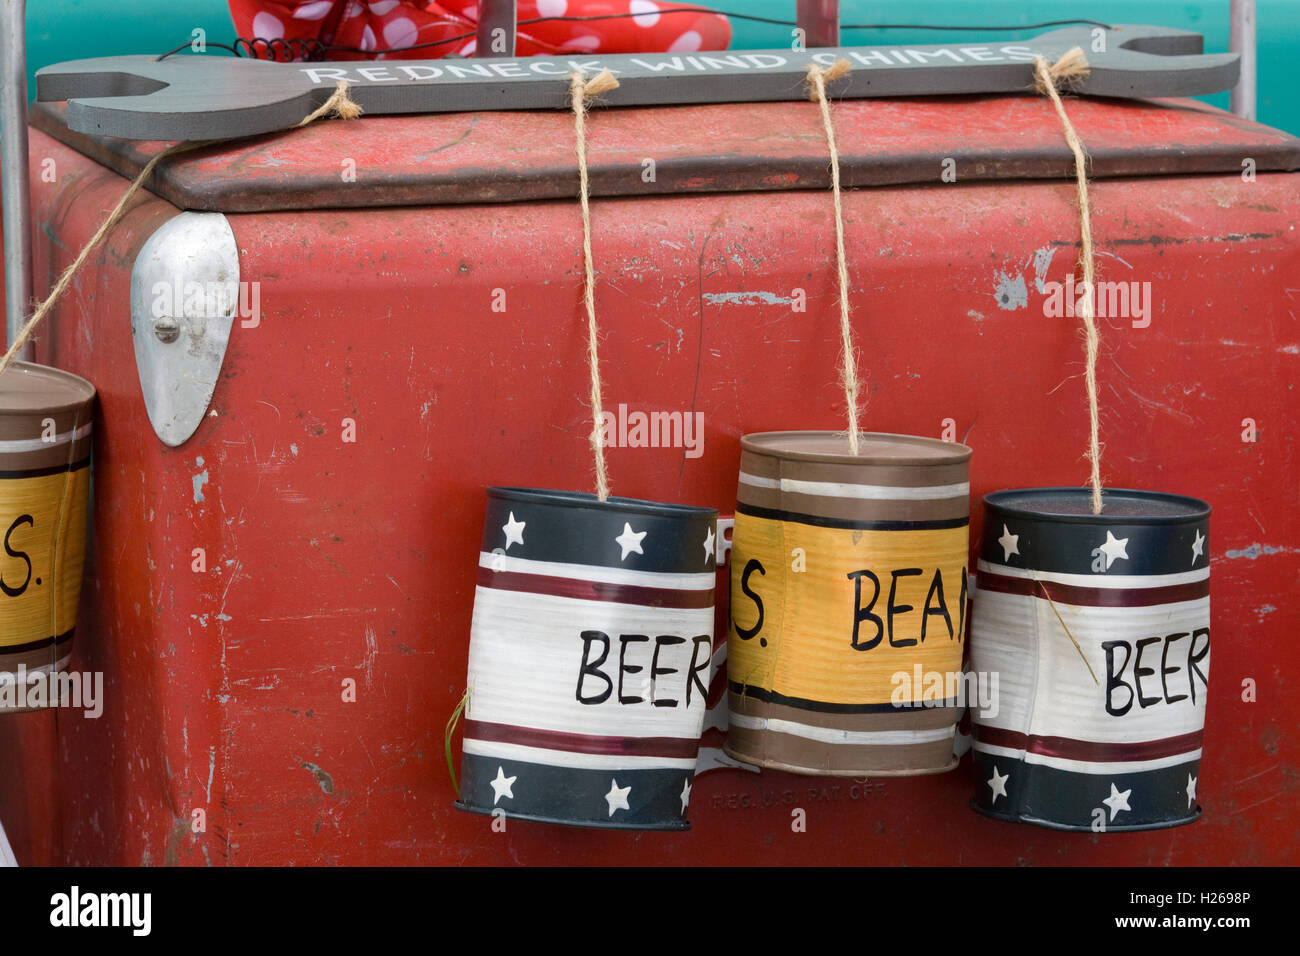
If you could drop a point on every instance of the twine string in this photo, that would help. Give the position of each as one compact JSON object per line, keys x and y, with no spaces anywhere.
{"x":581,"y":91}
{"x":1048,"y":595}
{"x":461,"y":708}
{"x":339,"y":103}
{"x":818,"y":77}
{"x":1047,"y":77}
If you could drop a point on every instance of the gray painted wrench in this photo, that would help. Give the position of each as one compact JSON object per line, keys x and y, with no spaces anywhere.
{"x":218,"y":97}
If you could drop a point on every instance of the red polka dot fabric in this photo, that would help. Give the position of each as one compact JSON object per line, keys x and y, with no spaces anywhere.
{"x":383,"y":29}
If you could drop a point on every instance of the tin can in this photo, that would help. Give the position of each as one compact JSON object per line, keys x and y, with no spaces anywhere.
{"x":589,"y":662}
{"x":848,"y":603}
{"x":1098,"y":627}
{"x":45,"y":441}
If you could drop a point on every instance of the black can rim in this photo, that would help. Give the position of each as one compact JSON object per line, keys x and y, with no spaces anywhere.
{"x":1198,"y":510}
{"x":586,"y":499}
{"x":1082,"y":828}
{"x":666,"y":826}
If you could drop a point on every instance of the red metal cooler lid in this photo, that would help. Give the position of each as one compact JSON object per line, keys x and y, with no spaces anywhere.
{"x":519,"y":156}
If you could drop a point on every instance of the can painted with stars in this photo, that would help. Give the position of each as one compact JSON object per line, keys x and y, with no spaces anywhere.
{"x":1097,"y":628}
{"x":589,"y":661}
{"x":45,"y":440}
{"x":848,"y":603}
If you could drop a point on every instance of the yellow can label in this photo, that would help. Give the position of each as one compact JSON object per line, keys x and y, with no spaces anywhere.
{"x":832,"y":615}
{"x":42,"y":549}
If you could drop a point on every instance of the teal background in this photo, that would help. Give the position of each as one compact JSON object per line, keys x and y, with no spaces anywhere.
{"x":72,"y":29}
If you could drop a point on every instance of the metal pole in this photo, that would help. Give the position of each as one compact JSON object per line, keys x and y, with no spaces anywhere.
{"x":820,"y":21}
{"x":13,"y":167}
{"x":1242,"y":40}
{"x":496,"y":28}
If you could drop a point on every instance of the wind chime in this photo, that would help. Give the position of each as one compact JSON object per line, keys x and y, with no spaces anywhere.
{"x":578,"y":590}
{"x":1093,"y":605}
{"x":834,"y":534}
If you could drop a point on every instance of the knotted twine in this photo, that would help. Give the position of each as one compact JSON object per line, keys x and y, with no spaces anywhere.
{"x":339,"y":104}
{"x":818,"y":77}
{"x":1047,"y":77}
{"x":581,"y":90}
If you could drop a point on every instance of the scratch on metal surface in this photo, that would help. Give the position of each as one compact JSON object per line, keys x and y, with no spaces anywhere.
{"x":372,"y":651}
{"x":1151,"y":403}
{"x":1042,"y":262}
{"x":1103,"y":252}
{"x":199,"y":480}
{"x":1010,"y":291}
{"x":1255,"y":550}
{"x":325,"y":780}
{"x":746,"y":298}
{"x":212,"y":769}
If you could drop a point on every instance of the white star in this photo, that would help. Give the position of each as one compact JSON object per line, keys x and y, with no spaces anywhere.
{"x":501,"y":786}
{"x":1114,"y":548}
{"x":998,"y":782}
{"x":686,"y":794}
{"x":1198,"y":546}
{"x":617,"y":796}
{"x":1010,"y":543}
{"x":1191,"y":791}
{"x":708,"y":544}
{"x":514,"y":531}
{"x":629,"y":541}
{"x":1117,"y":801}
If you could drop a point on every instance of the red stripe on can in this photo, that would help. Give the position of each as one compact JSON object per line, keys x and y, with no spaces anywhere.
{"x":1087,"y":750}
{"x":1095,"y":597}
{"x":675,"y":747}
{"x":593,"y":590}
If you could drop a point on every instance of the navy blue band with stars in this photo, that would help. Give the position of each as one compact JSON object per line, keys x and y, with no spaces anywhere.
{"x":1011,"y":789}
{"x":1054,"y":530}
{"x":575,"y":528}
{"x":643,"y":799}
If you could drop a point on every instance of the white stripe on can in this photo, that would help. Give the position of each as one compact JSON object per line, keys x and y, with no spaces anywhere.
{"x":1127,"y":581}
{"x":526,"y":652}
{"x":832,"y":735}
{"x":1046,"y":690}
{"x":693,"y":581}
{"x":16,"y":445}
{"x":841,"y":489}
{"x":572,"y":759}
{"x":1099,"y":767}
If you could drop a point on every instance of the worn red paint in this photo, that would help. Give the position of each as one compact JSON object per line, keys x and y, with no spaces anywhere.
{"x":329,"y":561}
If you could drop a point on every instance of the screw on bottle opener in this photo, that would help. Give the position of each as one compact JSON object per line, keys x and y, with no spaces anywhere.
{"x":166,"y":328}
{"x":217,"y":97}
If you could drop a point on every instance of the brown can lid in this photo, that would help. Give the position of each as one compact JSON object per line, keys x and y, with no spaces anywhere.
{"x":875,"y":448}
{"x":26,"y":387}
